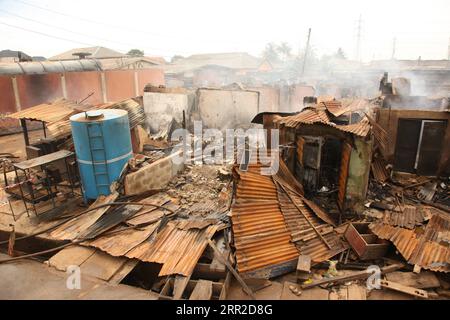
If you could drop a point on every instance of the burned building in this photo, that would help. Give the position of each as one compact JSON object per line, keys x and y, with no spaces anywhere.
{"x":325,"y":151}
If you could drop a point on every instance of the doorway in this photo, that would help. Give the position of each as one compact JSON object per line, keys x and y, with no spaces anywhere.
{"x":419,"y":145}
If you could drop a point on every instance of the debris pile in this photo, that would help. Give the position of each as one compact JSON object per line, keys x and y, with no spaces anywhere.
{"x":336,"y":212}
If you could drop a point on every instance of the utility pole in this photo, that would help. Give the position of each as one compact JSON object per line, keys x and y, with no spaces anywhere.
{"x":448,"y":53}
{"x":394,"y":42}
{"x":358,"y":40}
{"x":306,"y":52}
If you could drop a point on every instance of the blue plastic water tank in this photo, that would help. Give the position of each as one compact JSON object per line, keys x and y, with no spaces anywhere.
{"x":103,"y":146}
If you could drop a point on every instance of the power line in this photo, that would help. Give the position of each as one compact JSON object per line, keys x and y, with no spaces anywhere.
{"x":56,"y":37}
{"x":113,"y":25}
{"x":394,"y":44}
{"x":81,"y":34}
{"x":358,"y":40}
{"x":47,"y":35}
{"x":80,"y":18}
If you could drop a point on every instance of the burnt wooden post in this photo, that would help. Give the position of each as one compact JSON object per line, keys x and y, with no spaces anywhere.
{"x":43,"y":128}
{"x":23,"y":123}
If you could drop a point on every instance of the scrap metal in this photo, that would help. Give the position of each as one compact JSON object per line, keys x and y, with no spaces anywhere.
{"x":50,"y":112}
{"x":319,"y":115}
{"x":428,"y":248}
{"x":261,"y":237}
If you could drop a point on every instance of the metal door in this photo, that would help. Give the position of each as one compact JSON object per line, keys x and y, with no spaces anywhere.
{"x":430,"y":148}
{"x":408,"y":134}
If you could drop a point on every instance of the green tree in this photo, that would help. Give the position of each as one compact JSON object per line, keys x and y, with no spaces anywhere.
{"x":284,"y":50}
{"x":271,"y":53}
{"x":176,"y":58}
{"x":135,"y":53}
{"x":340,"y":54}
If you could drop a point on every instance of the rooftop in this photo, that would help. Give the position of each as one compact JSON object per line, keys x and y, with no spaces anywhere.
{"x":95,"y":52}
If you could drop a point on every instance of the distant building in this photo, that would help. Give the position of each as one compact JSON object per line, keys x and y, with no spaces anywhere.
{"x":13,"y":56}
{"x":215,"y":69}
{"x":39,"y":58}
{"x":90,"y":53}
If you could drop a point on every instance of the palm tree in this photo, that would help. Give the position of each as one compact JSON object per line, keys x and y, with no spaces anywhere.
{"x":285,"y":50}
{"x":270,"y":52}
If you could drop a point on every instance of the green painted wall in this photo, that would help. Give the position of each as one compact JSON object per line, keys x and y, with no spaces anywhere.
{"x":358,"y":174}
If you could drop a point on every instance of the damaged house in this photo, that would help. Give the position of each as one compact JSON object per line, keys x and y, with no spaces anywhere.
{"x":325,"y":151}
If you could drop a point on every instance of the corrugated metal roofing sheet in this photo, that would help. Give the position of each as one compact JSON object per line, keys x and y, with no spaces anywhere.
{"x":409,"y":218}
{"x":306,"y":116}
{"x":340,"y":107}
{"x":427,"y":248}
{"x":361,"y":128}
{"x":260,"y":234}
{"x":303,"y":234}
{"x":318,"y":115}
{"x":379,"y":170}
{"x":50,"y":112}
{"x":136,"y":116}
{"x":265,"y":223}
{"x":176,"y":249}
{"x":334,"y":107}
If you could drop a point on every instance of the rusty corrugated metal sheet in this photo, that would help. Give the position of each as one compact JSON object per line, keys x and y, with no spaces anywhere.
{"x":261,"y":238}
{"x":71,"y":229}
{"x":176,"y":249}
{"x":426,"y":247}
{"x":136,"y":116}
{"x":317,"y":115}
{"x":119,"y":243}
{"x":334,"y":107}
{"x":409,"y":218}
{"x":382,"y":139}
{"x":306,"y":116}
{"x":303,"y":234}
{"x":338,"y":108}
{"x":379,"y":170}
{"x":50,"y":112}
{"x":361,"y":128}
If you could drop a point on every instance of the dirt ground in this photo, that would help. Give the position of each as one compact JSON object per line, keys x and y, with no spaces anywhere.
{"x":15,"y":144}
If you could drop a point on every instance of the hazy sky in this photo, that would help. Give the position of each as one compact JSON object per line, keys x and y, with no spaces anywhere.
{"x":168,"y":27}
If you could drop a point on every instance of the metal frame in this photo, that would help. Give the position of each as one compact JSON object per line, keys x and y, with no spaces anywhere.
{"x":48,"y":185}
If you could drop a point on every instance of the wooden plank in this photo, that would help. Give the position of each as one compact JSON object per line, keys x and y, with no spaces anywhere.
{"x":404,"y":289}
{"x":180,"y":283}
{"x":234,"y":272}
{"x":216,"y":263}
{"x":226,"y":286}
{"x":352,"y":276}
{"x":73,"y":255}
{"x":205,"y":271}
{"x":356,"y":292}
{"x":303,"y":268}
{"x":423,"y":280}
{"x":202,"y":290}
{"x":304,"y":263}
{"x":124,"y":271}
{"x":258,"y":284}
{"x":102,"y":266}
